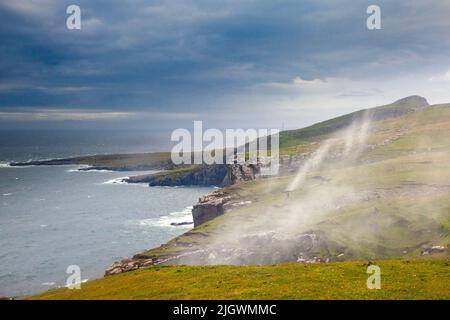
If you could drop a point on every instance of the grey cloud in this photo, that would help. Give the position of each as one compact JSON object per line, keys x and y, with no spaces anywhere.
{"x":203,"y":56}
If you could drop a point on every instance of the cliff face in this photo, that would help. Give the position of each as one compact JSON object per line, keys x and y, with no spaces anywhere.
{"x":203,"y":175}
{"x":217,"y":202}
{"x":209,"y":207}
{"x":241,"y":172}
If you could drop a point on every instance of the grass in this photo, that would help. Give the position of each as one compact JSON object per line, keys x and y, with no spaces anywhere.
{"x":400,"y":279}
{"x":403,"y":171}
{"x":409,"y":174}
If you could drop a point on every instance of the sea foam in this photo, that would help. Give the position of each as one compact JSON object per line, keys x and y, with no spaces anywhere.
{"x":120,"y":180}
{"x":78,"y":168}
{"x":174,"y":217}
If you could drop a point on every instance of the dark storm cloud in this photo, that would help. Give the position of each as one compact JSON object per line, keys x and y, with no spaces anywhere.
{"x":184,"y":56}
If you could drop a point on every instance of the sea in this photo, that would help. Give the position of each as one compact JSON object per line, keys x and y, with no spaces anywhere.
{"x":54,"y":217}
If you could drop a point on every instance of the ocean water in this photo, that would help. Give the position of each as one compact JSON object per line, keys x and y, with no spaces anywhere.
{"x":23,"y":145}
{"x":52,"y":217}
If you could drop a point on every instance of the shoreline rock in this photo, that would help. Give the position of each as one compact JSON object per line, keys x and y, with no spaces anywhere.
{"x":220,"y":175}
{"x":201,"y":175}
{"x":209,"y":207}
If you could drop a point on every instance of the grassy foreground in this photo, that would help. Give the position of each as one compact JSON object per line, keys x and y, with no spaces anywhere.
{"x":400,"y":279}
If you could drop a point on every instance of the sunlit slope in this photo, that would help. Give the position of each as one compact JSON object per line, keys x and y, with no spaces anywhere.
{"x":392,"y":201}
{"x":291,"y":140}
{"x":344,"y":280}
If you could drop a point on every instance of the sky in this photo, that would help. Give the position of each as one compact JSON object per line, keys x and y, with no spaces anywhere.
{"x":160,"y":65}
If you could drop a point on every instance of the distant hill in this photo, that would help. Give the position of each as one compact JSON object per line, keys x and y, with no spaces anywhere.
{"x":396,"y":109}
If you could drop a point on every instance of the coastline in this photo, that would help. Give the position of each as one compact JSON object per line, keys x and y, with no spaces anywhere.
{"x":148,"y":216}
{"x":113,"y":162}
{"x":205,"y":209}
{"x":267,"y":225}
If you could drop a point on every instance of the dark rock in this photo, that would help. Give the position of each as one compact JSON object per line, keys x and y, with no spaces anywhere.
{"x":129,"y":265}
{"x":176,"y":224}
{"x":209,"y":207}
{"x":200,"y":175}
{"x":203,"y":212}
{"x":241,"y":172}
{"x":426,"y":249}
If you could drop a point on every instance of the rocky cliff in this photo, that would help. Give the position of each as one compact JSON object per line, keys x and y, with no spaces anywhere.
{"x":202,"y":175}
{"x":210,"y":207}
{"x":216,"y":203}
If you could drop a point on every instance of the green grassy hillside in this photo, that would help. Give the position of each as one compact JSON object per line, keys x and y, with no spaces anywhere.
{"x":322,"y":129}
{"x":392,"y":201}
{"x":386,"y":197}
{"x":346,"y":280}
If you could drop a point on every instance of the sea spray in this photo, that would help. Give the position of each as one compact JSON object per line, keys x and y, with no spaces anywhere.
{"x":354,"y":137}
{"x":282,"y":231}
{"x":313,"y":163}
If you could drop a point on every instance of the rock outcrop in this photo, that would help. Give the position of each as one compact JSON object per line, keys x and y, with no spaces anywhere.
{"x":201,"y":175}
{"x":426,"y":250}
{"x":209,"y":207}
{"x":136,"y":262}
{"x":218,"y":202}
{"x":241,"y":172}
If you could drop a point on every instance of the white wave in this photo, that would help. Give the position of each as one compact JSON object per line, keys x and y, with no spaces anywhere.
{"x":49,"y":284}
{"x":84,"y":168}
{"x":166,"y":221}
{"x":120,"y":180}
{"x":95,"y":170}
{"x":78,"y":168}
{"x":6,"y":194}
{"x":4,"y":165}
